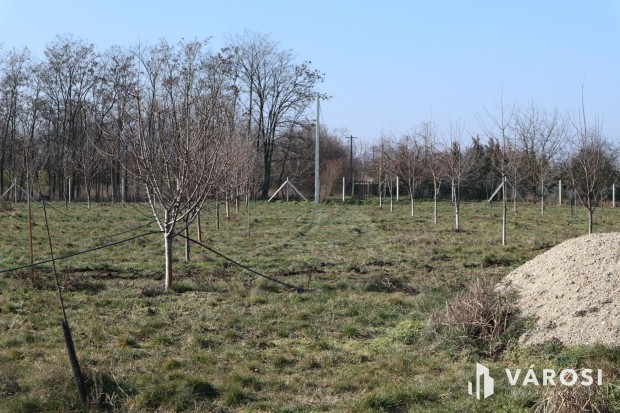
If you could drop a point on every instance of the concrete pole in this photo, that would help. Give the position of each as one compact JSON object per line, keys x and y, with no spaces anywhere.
{"x":317,"y":181}
{"x":397,"y":192}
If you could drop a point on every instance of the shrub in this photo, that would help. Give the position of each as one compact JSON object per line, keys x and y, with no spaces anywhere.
{"x":574,"y":399}
{"x":482,"y":318}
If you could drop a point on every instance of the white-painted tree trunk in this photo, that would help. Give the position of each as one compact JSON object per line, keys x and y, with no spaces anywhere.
{"x":504,"y":209}
{"x":435,"y":205}
{"x":167,"y":251}
{"x":542,"y":197}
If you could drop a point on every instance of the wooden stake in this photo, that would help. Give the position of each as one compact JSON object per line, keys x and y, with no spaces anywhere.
{"x":75,"y":365}
{"x":187,"y":247}
{"x":30,"y":235}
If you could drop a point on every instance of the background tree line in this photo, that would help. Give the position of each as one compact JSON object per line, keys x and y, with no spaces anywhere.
{"x":530,"y":149}
{"x":72,"y":126}
{"x":74,"y":123}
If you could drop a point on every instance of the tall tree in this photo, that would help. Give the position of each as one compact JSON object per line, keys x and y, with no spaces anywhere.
{"x":68,"y":77}
{"x":14,"y":81}
{"x":275,"y":93}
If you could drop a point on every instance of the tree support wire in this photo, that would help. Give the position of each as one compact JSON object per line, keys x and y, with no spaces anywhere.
{"x":245,"y":267}
{"x":111,"y":244}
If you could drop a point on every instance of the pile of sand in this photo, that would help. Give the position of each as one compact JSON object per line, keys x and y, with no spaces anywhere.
{"x":572,"y":291}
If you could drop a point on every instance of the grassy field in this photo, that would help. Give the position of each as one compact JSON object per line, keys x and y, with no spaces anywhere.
{"x":364,"y":337}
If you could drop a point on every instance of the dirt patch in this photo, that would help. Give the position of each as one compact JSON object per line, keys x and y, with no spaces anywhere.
{"x":572,"y":291}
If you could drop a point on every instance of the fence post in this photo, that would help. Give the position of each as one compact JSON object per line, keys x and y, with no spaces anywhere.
{"x":397,"y":192}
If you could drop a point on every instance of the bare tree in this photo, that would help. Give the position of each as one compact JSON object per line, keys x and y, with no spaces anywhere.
{"x":541,"y":137}
{"x":497,"y":133}
{"x":459,"y":164}
{"x":14,"y":81}
{"x":434,"y":163}
{"x":592,"y":167}
{"x":68,"y":78}
{"x":275,"y":91}
{"x":180,"y":117}
{"x":409,"y":162}
{"x":514,"y":168}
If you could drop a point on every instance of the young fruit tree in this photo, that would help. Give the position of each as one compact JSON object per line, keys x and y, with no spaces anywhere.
{"x":433,"y":158}
{"x":592,"y":166}
{"x":409,"y":163}
{"x":459,"y":164}
{"x":181,"y":117}
{"x":497,"y":134}
{"x":541,"y":137}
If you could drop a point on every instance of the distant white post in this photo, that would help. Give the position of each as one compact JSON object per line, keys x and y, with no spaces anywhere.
{"x":343,"y":183}
{"x":69,"y":190}
{"x":613,"y":195}
{"x":560,"y":192}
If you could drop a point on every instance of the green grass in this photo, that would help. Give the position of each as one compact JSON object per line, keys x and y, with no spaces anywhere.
{"x":360,"y":339}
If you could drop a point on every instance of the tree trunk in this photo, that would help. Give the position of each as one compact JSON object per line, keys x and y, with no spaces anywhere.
{"x":435,"y":204}
{"x":168,"y":260}
{"x":542,"y":197}
{"x":266,"y":175}
{"x":504,"y":209}
{"x":412,"y":193}
{"x":514,"y":196}
{"x":590,"y":220}
{"x":457,"y":204}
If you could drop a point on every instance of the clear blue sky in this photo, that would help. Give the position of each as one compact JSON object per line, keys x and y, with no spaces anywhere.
{"x":389,"y":65}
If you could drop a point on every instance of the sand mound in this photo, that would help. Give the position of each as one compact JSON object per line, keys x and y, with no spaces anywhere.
{"x":572,"y":291}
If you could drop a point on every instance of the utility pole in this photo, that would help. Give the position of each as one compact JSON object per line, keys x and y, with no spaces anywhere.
{"x":317,"y":181}
{"x":351,"y":161}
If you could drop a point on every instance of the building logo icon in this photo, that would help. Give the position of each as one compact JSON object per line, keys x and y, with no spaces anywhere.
{"x":487,"y":383}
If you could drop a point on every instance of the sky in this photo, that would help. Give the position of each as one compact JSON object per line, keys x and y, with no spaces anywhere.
{"x":389,"y":65}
